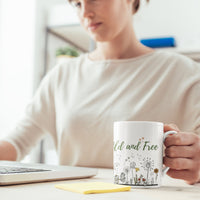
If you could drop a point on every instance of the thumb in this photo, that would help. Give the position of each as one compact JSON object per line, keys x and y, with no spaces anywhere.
{"x":171,"y":127}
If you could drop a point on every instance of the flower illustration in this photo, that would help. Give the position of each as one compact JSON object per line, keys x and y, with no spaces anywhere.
{"x":139,"y":180}
{"x":116,"y":179}
{"x":156,"y":172}
{"x":148,"y":166}
{"x":126,"y":170}
{"x":132,"y":167}
{"x":136,"y":179}
{"x":144,"y":181}
{"x":137,"y":169}
{"x":122,"y":177}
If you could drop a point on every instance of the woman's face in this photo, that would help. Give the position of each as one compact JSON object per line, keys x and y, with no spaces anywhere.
{"x":104,"y":19}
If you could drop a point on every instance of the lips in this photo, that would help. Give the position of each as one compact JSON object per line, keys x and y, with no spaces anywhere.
{"x":94,"y":26}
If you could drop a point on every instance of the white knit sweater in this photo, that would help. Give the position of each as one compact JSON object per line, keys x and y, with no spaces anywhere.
{"x":78,"y":101}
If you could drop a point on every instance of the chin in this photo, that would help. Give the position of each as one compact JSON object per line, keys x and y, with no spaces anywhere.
{"x":100,"y":38}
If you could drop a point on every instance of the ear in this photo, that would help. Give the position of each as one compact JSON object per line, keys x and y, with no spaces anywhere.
{"x":136,"y":5}
{"x":131,"y":3}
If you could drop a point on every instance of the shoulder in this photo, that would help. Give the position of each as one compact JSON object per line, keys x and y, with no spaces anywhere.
{"x":70,"y":63}
{"x":178,"y":62}
{"x":66,"y":67}
{"x":171,"y":56}
{"x":61,"y":72}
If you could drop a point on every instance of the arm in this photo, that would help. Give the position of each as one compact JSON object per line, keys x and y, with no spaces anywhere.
{"x":7,"y":151}
{"x":37,"y":120}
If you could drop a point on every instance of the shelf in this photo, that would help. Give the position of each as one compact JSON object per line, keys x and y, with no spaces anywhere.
{"x":73,"y":34}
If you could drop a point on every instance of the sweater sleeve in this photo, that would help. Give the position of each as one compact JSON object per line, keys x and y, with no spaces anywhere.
{"x":38,"y":119}
{"x":195,"y":114}
{"x":189,"y":93}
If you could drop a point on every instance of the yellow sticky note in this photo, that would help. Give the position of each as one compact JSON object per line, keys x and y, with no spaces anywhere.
{"x":93,"y":187}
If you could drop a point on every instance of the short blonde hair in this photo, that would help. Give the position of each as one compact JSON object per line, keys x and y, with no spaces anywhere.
{"x":136,"y":5}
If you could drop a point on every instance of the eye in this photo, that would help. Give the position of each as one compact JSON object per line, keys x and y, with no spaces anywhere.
{"x":76,"y":4}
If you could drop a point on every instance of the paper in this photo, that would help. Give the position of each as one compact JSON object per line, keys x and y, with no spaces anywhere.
{"x":93,"y":187}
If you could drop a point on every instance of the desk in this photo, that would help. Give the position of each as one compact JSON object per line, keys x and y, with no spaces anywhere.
{"x":172,"y":188}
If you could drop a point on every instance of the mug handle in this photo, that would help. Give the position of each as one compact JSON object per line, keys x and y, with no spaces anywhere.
{"x":165,"y":169}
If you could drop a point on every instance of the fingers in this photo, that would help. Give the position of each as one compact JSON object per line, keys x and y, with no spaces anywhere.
{"x":179,"y":163}
{"x":181,"y":139}
{"x":180,"y":152}
{"x":171,"y":127}
{"x":190,"y":176}
{"x":182,"y":155}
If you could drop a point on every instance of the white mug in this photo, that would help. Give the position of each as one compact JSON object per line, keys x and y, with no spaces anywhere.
{"x":138,"y":153}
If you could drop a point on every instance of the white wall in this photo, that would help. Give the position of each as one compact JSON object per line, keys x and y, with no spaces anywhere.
{"x":22,"y":34}
{"x":0,"y":43}
{"x":179,"y":18}
{"x":42,"y":8}
{"x":17,"y":58}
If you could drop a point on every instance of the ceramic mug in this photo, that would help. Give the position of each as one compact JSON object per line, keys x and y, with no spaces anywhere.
{"x":138,"y":153}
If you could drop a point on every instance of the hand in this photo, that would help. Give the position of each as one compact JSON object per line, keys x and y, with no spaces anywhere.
{"x":182,"y":155}
{"x":7,"y":151}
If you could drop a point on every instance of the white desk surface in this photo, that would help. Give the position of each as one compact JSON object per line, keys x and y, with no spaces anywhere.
{"x":171,"y":188}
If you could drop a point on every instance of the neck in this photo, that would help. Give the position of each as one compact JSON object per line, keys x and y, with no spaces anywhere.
{"x":123,"y":46}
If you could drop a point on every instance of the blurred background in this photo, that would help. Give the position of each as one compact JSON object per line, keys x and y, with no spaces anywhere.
{"x":35,"y":35}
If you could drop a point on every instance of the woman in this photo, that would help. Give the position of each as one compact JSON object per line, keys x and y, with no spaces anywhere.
{"x":77,"y":102}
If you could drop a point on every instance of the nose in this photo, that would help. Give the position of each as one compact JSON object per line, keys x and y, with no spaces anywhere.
{"x":87,"y":11}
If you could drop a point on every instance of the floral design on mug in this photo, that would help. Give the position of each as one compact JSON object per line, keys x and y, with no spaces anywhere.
{"x":122,"y":177}
{"x":156,"y":172}
{"x":133,"y":175}
{"x":133,"y":168}
{"x":116,"y":179}
{"x":147,"y":166}
{"x":126,"y":170}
